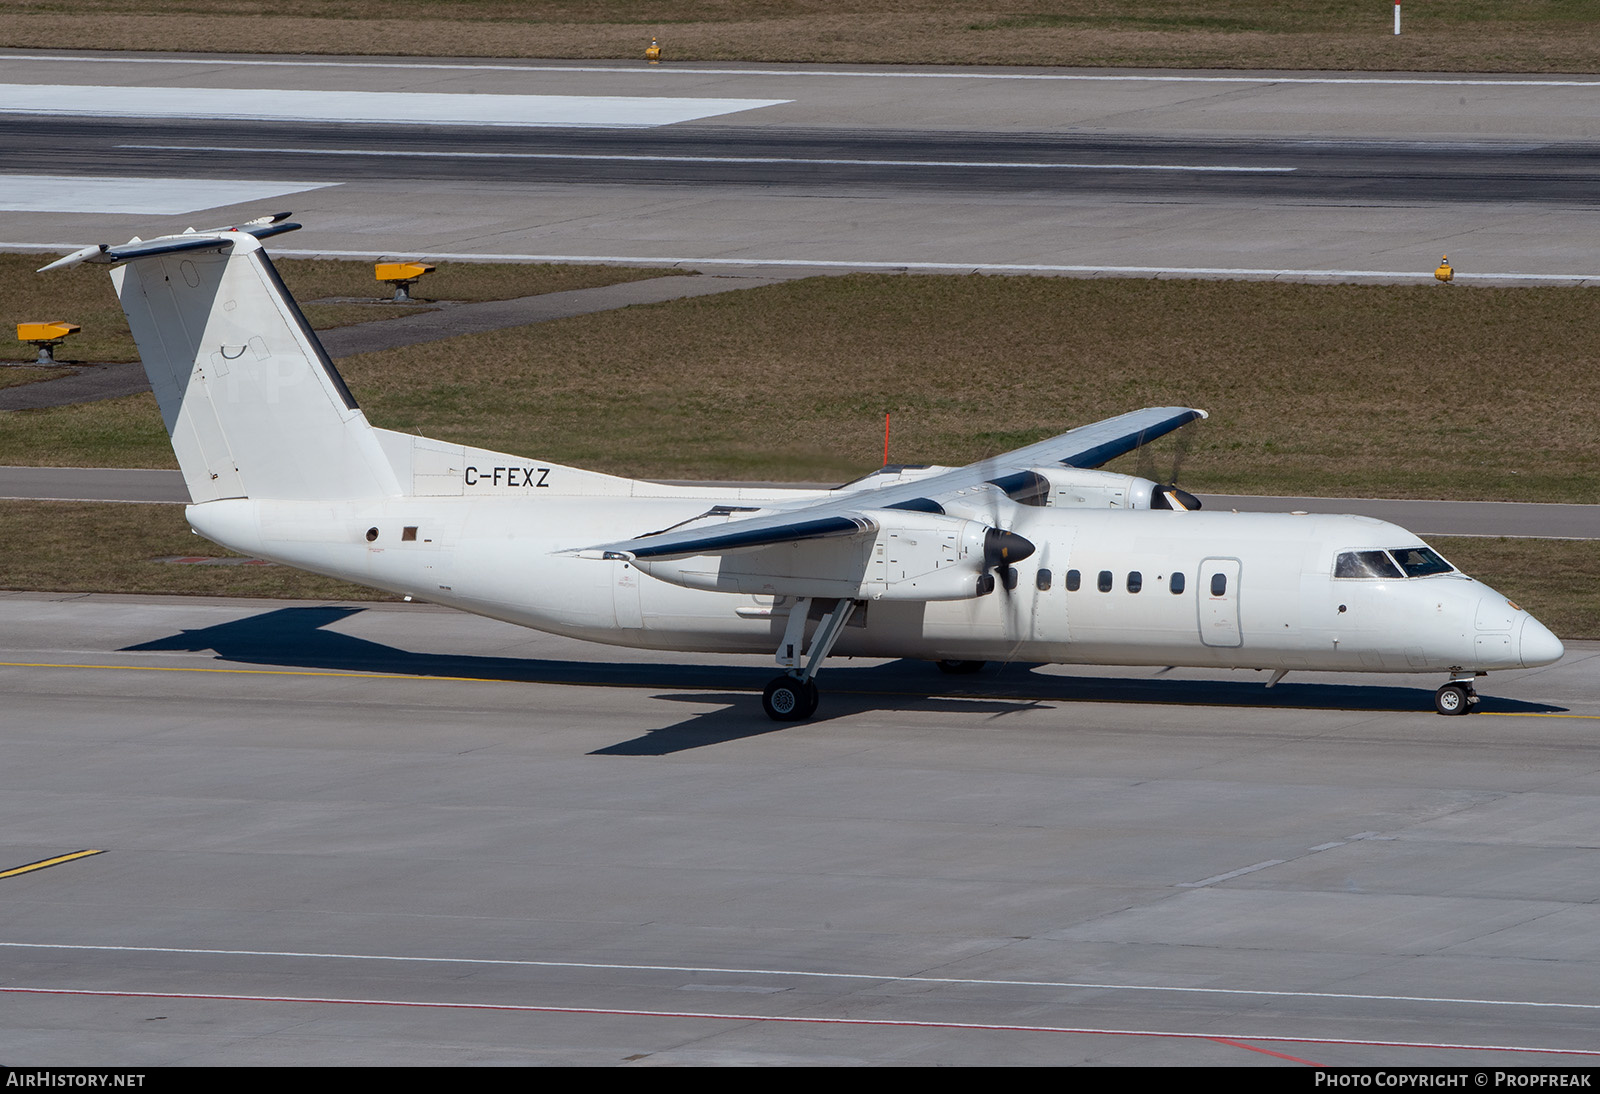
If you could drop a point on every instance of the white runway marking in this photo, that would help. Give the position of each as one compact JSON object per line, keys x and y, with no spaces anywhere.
{"x":950,"y":267}
{"x":142,"y":196}
{"x":884,"y":74}
{"x":1394,"y":276}
{"x":641,"y":158}
{"x":887,"y":978}
{"x":399,"y":107}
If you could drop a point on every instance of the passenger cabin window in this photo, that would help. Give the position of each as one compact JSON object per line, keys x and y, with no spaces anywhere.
{"x":1135,"y":581}
{"x":1219,"y":584}
{"x":1074,"y":579}
{"x":1176,"y":584}
{"x":1367,"y":564}
{"x":1105,"y":581}
{"x":1043,"y":581}
{"x":1420,"y":561}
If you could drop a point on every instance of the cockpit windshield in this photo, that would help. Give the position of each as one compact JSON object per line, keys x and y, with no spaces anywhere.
{"x":1365,"y":564}
{"x":1420,"y":561}
{"x":1413,"y":561}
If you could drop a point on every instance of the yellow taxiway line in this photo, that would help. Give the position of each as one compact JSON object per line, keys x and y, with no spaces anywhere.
{"x":47,"y":862}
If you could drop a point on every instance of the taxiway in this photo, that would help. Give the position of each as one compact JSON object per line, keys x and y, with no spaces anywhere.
{"x":400,"y":835}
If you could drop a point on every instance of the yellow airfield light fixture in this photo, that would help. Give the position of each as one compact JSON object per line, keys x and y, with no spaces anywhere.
{"x":402,"y":275}
{"x":45,"y":337}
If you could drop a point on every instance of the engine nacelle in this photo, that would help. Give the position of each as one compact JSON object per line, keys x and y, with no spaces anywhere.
{"x":1076,"y":488}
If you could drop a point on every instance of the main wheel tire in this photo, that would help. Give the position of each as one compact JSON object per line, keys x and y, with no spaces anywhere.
{"x":960,"y":668}
{"x":788,"y":700}
{"x":813,"y":698}
{"x":1452,"y":699}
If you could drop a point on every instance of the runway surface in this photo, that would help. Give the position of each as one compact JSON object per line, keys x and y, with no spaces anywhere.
{"x":1439,"y":518}
{"x":342,"y":835}
{"x":795,"y":167}
{"x":867,"y":162}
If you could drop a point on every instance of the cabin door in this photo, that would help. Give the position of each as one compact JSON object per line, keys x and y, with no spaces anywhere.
{"x":1218,"y":599}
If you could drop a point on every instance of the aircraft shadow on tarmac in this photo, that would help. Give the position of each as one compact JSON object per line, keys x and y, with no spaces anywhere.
{"x":297,"y":638}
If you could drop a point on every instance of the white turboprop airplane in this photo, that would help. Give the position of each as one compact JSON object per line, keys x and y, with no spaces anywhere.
{"x":1031,"y":556}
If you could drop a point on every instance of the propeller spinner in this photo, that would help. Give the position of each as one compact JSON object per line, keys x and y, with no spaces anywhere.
{"x":1000,"y":550}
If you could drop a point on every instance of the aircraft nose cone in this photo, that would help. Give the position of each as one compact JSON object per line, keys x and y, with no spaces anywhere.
{"x":1537,"y":646}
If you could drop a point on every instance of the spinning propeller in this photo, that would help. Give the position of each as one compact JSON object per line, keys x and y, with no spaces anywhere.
{"x":1168,"y":495}
{"x":1001,"y":546}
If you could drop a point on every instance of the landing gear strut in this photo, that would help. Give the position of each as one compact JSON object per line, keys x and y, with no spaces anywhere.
{"x":793,"y":697}
{"x":1458,"y":696}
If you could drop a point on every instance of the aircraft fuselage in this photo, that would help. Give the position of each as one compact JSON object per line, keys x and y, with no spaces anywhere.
{"x":1227,"y":590}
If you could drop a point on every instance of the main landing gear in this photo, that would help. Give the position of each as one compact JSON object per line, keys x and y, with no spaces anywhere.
{"x":1458,"y":696}
{"x":793,"y":696}
{"x":789,"y":700}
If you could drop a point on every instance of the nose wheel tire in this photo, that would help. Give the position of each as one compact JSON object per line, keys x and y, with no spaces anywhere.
{"x":789,"y":700}
{"x":1454,"y":699}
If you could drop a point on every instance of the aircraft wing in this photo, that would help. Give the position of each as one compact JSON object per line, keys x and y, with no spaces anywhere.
{"x":860,"y":511}
{"x":1091,"y":446}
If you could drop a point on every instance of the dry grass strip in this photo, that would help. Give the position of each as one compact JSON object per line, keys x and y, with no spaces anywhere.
{"x":1333,"y":390}
{"x":1461,"y":35}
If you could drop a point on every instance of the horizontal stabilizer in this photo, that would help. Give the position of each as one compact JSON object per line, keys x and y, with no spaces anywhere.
{"x":106,"y":254}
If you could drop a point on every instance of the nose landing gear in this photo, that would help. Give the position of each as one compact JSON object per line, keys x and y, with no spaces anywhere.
{"x":1458,"y":696}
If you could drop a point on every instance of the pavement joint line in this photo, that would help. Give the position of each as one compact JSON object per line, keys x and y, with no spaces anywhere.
{"x":1233,"y":873}
{"x":665,"y":70}
{"x":43,"y":864}
{"x":262,"y":672}
{"x":640,"y":158}
{"x":887,"y":265}
{"x":658,"y":686}
{"x":1475,"y":535}
{"x":797,"y":1019}
{"x":952,"y":267}
{"x":887,"y":978}
{"x":411,"y":676}
{"x":99,"y":501}
{"x":1266,"y":1052}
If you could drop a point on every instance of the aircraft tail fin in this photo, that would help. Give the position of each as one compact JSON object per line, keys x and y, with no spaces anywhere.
{"x":249,"y":397}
